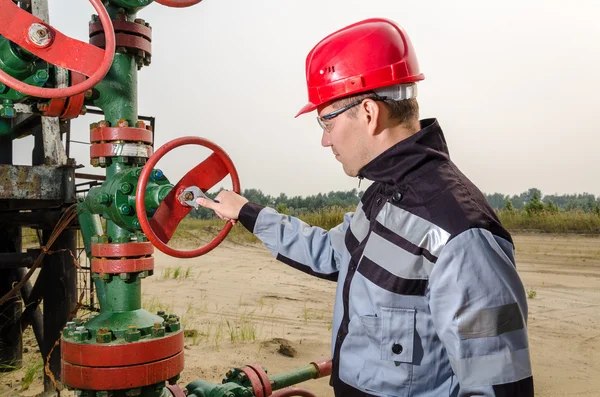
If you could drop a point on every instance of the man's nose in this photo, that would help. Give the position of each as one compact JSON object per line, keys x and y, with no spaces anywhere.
{"x":325,"y":141}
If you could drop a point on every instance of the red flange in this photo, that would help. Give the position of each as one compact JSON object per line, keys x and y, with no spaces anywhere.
{"x":125,"y":40}
{"x":255,"y":382}
{"x":119,"y":26}
{"x":122,"y":250}
{"x":178,"y":3}
{"x":171,"y":211}
{"x":135,"y":37}
{"x":132,"y":134}
{"x":113,"y":266}
{"x":135,"y":353}
{"x":264,"y":379}
{"x":20,"y":27}
{"x":120,"y":149}
{"x":74,"y":103}
{"x":293,"y":391}
{"x":54,"y":108}
{"x":119,"y":378}
{"x":65,"y":108}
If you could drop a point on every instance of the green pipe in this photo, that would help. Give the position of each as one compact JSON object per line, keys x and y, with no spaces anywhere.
{"x":202,"y":388}
{"x":293,"y":377}
{"x":5,"y":126}
{"x":116,"y":233}
{"x":116,"y":94}
{"x":13,"y":62}
{"x":130,"y":6}
{"x":90,"y":225}
{"x":123,"y":295}
{"x":100,"y":287}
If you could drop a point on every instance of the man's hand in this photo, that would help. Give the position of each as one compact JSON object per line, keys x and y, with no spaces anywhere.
{"x":227,"y":205}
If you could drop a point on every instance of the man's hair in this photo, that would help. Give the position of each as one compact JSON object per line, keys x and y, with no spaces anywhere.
{"x":401,"y":111}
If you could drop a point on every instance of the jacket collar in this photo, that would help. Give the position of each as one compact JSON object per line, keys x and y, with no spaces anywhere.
{"x":403,"y":160}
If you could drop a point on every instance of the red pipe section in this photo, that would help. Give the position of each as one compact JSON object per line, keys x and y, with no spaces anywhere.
{"x":292,"y":391}
{"x":178,"y":3}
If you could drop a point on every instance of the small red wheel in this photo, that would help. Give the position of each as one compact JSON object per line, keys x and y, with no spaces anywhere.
{"x":42,"y":40}
{"x":178,"y":3}
{"x":171,"y":211}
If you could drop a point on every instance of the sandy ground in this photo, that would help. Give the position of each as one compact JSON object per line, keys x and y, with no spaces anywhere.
{"x":238,"y":298}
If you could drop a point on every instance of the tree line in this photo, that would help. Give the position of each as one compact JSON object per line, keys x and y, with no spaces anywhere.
{"x":293,"y":205}
{"x":531,"y":201}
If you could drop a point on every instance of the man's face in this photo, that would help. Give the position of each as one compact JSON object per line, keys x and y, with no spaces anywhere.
{"x":348,"y":139}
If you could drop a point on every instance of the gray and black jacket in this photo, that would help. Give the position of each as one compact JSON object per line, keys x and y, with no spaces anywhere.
{"x":428,"y":301}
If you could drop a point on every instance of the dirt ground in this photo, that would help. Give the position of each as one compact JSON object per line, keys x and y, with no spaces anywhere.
{"x":238,"y":300}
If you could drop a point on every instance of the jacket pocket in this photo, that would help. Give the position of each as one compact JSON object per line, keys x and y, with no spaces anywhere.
{"x":398,"y":334}
{"x":391,"y":335}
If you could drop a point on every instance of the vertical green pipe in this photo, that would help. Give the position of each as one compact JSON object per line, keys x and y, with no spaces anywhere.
{"x":116,"y":95}
{"x":5,"y":127}
{"x":90,"y":225}
{"x":117,"y":92}
{"x":293,"y":377}
{"x":123,"y":295}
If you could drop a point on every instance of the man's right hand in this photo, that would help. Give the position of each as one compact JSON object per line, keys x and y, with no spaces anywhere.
{"x":227,"y":205}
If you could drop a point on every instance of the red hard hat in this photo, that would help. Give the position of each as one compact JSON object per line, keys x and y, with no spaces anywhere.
{"x":369,"y":54}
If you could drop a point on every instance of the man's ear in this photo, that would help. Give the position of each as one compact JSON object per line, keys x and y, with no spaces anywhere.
{"x":371,"y":114}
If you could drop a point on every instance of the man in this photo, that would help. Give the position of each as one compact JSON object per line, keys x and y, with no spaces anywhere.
{"x":428,"y":300}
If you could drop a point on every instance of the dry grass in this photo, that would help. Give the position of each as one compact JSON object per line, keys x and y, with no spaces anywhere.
{"x":192,"y":229}
{"x":575,"y":222}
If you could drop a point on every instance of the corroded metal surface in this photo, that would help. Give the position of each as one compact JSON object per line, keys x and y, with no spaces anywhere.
{"x":33,"y":182}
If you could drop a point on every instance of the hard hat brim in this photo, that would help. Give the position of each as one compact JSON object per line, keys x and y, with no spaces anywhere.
{"x":309,"y":107}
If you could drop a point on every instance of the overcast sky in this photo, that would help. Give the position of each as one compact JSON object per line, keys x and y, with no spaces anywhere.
{"x":514,"y":85}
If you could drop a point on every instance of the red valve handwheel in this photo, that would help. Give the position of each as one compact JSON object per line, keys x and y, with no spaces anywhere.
{"x":171,"y":211}
{"x":19,"y":26}
{"x":178,"y":3}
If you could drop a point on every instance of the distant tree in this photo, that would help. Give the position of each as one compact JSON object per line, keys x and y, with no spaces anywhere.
{"x":496,"y":200}
{"x":533,"y":192}
{"x":517,"y":201}
{"x":535,"y":205}
{"x":508,"y":207}
{"x":258,"y":197}
{"x":596,"y":208}
{"x":551,"y":208}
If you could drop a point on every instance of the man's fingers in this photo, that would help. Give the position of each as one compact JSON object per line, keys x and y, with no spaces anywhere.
{"x":206,"y":203}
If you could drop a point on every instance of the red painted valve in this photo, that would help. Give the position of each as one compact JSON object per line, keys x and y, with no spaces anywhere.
{"x":178,"y":3}
{"x":42,"y":40}
{"x":170,"y":212}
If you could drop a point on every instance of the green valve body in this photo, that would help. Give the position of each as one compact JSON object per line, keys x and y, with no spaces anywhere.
{"x":21,"y":65}
{"x":115,"y":199}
